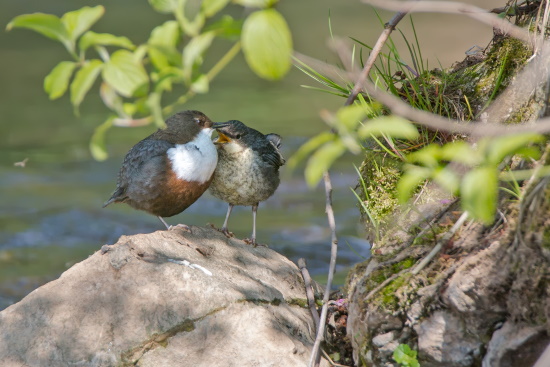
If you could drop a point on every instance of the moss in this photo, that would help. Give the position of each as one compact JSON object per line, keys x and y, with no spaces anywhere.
{"x":300,"y":302}
{"x":388,"y":293}
{"x":380,"y":275}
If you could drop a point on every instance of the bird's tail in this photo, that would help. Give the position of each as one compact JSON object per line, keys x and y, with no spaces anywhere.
{"x":116,"y":197}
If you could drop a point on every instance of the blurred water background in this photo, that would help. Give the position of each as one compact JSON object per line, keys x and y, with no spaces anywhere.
{"x":50,"y":210}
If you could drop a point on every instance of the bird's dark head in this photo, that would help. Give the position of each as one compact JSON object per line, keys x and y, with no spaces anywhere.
{"x":236,"y":133}
{"x":185,"y":126}
{"x":194,"y":120}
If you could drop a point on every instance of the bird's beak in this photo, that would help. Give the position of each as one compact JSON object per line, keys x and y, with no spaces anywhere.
{"x":222,"y":138}
{"x":219,"y":125}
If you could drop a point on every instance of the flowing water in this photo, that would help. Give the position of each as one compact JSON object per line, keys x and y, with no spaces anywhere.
{"x":50,"y":210}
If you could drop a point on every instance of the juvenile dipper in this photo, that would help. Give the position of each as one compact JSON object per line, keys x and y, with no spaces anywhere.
{"x":248,"y":168}
{"x":170,"y":169}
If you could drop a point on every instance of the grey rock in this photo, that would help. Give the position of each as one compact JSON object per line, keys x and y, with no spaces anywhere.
{"x":383,"y":339}
{"x":164,"y":299}
{"x":515,"y":345}
{"x":443,"y":341}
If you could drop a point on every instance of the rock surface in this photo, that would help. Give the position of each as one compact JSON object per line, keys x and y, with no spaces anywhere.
{"x":483,"y":300}
{"x":169,"y":298}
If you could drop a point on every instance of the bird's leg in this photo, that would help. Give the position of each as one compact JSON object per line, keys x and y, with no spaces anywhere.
{"x":169,"y":227}
{"x":224,"y":229}
{"x":164,"y":222}
{"x":252,"y":241}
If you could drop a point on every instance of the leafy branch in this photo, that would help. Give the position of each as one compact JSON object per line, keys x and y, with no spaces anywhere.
{"x":136,"y":80}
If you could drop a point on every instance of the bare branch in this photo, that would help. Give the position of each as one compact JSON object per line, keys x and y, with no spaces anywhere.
{"x":309,"y":291}
{"x":440,"y":243}
{"x":450,"y":7}
{"x":332,"y":267}
{"x":430,"y":120}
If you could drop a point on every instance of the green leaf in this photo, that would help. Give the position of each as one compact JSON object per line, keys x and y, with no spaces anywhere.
{"x":193,"y":51}
{"x":166,"y":34}
{"x":97,"y":142}
{"x":79,"y":21}
{"x":46,"y":24}
{"x":428,"y":156}
{"x":504,"y":146}
{"x":211,"y":7}
{"x":529,"y":152}
{"x":322,"y":160}
{"x":350,"y":116}
{"x":393,"y":126}
{"x":256,"y":3}
{"x":447,"y":179}
{"x":162,"y":45}
{"x":201,"y":84}
{"x":193,"y":28}
{"x":164,"y":79}
{"x":372,"y":109}
{"x":124,"y":73}
{"x":91,"y":38}
{"x":405,"y":356}
{"x":84,"y":79}
{"x":227,"y":27}
{"x":478,"y":193}
{"x":57,"y":81}
{"x":164,"y":6}
{"x":461,"y":152}
{"x":409,"y":182}
{"x":267,"y":44}
{"x":307,"y":148}
{"x":110,"y":98}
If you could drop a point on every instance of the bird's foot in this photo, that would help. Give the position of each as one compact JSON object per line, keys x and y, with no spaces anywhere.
{"x":183,"y":227}
{"x":252,"y":241}
{"x":226,"y":232}
{"x":223,"y":230}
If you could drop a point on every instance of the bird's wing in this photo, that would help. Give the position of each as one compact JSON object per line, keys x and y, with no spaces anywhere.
{"x":144,"y":157}
{"x":270,"y":153}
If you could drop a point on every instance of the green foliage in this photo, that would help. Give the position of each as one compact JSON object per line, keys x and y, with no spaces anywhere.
{"x":437,"y":91}
{"x":351,"y":126}
{"x":134,"y":78}
{"x":84,"y":79}
{"x":267,"y":44}
{"x":478,"y":188}
{"x":57,"y":81}
{"x":405,"y":356}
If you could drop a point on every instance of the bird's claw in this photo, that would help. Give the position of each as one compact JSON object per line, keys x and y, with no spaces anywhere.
{"x":252,"y":241}
{"x":226,"y":232}
{"x":223,"y":230}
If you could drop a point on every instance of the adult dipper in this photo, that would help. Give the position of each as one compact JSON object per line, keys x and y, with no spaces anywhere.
{"x":248,"y":168}
{"x":170,"y":169}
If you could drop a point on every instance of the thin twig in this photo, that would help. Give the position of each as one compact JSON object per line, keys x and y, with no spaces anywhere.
{"x":309,"y":291}
{"x":388,"y":28}
{"x":427,"y":119}
{"x":450,"y":7}
{"x":333,"y":254}
{"x":330,"y":361}
{"x":385,"y":283}
{"x":359,"y":83}
{"x":440,"y":243}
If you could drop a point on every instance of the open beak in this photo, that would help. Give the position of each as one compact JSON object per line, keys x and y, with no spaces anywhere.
{"x":222,"y":138}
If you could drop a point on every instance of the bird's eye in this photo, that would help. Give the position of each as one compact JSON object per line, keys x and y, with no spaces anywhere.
{"x":197,"y":121}
{"x":238,"y":136}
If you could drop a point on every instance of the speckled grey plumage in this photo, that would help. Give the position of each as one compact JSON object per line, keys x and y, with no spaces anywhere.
{"x":248,"y":167}
{"x":249,"y":173}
